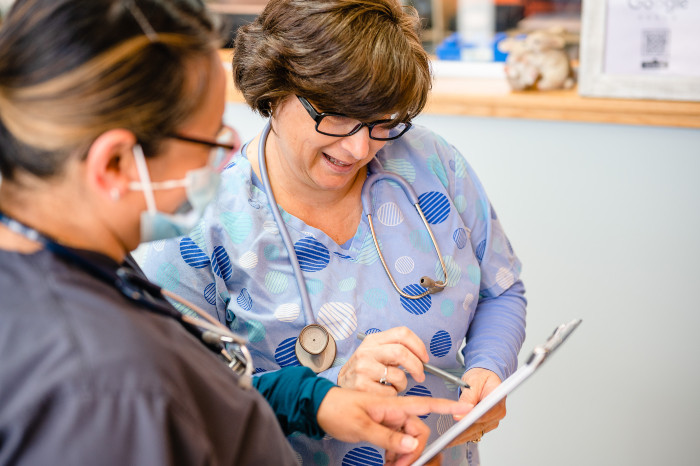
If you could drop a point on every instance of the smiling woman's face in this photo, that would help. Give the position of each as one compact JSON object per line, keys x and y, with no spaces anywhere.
{"x":314,"y":160}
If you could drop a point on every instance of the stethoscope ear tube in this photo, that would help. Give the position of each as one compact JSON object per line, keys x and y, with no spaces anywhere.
{"x":317,"y":359}
{"x":426,"y":282}
{"x":432,"y":286}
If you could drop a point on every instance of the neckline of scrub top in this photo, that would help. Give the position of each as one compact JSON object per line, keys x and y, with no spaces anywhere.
{"x":361,"y":240}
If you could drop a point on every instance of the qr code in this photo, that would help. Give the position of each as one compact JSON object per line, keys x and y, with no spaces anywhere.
{"x":655,"y":41}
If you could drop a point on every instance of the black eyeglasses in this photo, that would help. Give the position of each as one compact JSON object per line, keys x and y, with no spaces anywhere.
{"x":221,"y":150}
{"x":339,"y":125}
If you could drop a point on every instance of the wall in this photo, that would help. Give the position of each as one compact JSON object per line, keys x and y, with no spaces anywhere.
{"x":605,"y":219}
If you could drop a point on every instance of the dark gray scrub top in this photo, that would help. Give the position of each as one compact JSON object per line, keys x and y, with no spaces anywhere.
{"x":88,"y":377}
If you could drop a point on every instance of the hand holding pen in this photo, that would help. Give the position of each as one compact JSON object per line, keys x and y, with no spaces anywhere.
{"x":383,"y":362}
{"x":426,"y":367}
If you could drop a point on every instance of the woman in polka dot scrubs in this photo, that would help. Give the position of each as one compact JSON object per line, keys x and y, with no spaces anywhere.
{"x":340,"y":81}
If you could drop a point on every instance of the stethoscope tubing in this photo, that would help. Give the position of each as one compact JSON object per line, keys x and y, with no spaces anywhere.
{"x":366,"y":200}
{"x":321,"y":359}
{"x":286,"y":239}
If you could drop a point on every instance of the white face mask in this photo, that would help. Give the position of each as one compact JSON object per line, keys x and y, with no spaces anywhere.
{"x":201,"y":186}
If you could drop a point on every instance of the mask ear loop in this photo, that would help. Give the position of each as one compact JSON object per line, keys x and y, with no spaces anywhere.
{"x":145,"y":178}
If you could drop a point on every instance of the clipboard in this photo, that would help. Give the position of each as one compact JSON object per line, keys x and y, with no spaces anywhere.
{"x":538,"y":356}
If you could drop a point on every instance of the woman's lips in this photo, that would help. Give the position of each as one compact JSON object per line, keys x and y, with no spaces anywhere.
{"x":336,"y":162}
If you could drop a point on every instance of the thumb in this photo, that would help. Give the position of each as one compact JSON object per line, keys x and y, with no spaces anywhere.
{"x":467,"y":407}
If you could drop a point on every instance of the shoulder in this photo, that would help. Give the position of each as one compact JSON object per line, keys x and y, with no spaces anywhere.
{"x":421,"y":152}
{"x":419,"y":146}
{"x":84,"y":363}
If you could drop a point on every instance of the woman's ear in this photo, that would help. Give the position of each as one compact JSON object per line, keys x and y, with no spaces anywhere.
{"x":110,"y":163}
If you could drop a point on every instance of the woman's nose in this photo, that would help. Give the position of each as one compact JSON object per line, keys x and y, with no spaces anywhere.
{"x":358,"y":144}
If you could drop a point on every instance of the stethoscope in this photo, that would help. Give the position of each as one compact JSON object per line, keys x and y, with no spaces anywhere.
{"x":137,"y":288}
{"x":315,"y":347}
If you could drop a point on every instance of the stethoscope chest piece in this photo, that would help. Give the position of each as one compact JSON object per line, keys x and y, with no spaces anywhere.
{"x":315,"y":348}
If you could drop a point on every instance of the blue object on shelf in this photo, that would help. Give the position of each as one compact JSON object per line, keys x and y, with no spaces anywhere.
{"x":497,"y":54}
{"x":451,"y":48}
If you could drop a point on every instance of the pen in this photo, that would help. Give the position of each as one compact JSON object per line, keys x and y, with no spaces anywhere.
{"x":433,"y":370}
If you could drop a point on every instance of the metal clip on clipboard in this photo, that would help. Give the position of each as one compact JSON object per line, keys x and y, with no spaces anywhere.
{"x":539,"y":354}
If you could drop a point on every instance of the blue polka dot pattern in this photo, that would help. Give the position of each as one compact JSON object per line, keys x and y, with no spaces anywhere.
{"x":238,"y":225}
{"x":416,"y":306}
{"x":480,"y":249}
{"x":436,"y":166}
{"x":370,"y":331}
{"x":222,"y":264}
{"x":481,"y":209}
{"x":314,"y":286}
{"x":447,"y":308}
{"x":440,"y":344}
{"x":347,"y":284}
{"x":454,"y":271}
{"x":313,"y":256}
{"x":390,"y":214}
{"x":276,"y":282}
{"x":192,"y":255}
{"x":256,"y":331}
{"x":284,"y":354}
{"x":368,"y":252}
{"x":363,"y":456}
{"x":420,"y":240}
{"x":168,"y":276}
{"x":197,"y":235}
{"x":210,"y":293}
{"x":435,"y":206}
{"x":474,"y":274}
{"x":259,"y":370}
{"x":460,"y":203}
{"x":376,"y":297}
{"x":244,"y":300}
{"x":460,"y":167}
{"x":401,"y":167}
{"x":460,"y":237}
{"x":271,"y":252}
{"x":342,"y":256}
{"x":419,"y":390}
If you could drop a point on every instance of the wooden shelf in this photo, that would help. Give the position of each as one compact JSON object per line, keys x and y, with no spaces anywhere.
{"x":243,"y":7}
{"x":489,"y":97}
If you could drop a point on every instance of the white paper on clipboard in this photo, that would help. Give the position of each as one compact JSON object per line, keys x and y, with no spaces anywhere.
{"x":539,"y":354}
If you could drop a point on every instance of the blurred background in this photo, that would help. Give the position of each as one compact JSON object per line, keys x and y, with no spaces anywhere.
{"x":476,"y":20}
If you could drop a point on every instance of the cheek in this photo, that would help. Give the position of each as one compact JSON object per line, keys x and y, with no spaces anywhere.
{"x":374,"y":147}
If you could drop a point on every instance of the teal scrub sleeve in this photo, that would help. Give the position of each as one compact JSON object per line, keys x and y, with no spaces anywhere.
{"x":295,"y":393}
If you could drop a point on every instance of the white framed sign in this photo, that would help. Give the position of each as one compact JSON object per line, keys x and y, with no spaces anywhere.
{"x":642,"y":49}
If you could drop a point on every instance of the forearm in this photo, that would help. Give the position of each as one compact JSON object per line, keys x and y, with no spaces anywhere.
{"x":497,"y":332}
{"x":295,"y":394}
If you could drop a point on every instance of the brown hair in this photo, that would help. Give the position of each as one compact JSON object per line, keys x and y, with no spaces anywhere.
{"x":70,"y":70}
{"x":362,"y":58}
